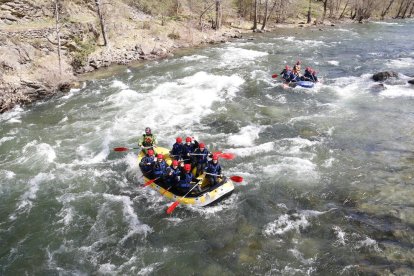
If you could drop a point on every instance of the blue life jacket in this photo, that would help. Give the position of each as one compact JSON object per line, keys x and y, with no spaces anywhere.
{"x":145,"y":161}
{"x":286,"y":74}
{"x":175,"y":175}
{"x":201,"y":159}
{"x":186,"y":179}
{"x":213,"y":168}
{"x":177,"y":150}
{"x":293,"y":77}
{"x":159,"y":168}
{"x":188,"y":148}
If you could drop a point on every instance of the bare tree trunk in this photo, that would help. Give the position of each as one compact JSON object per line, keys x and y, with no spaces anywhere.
{"x":411,"y":11}
{"x":255,"y":16}
{"x":58,"y":35}
{"x":400,"y":9}
{"x":218,"y":14}
{"x":271,"y":10}
{"x":406,"y":9}
{"x":309,"y":12}
{"x":325,"y":6}
{"x":265,"y":15}
{"x":101,"y":21}
{"x":202,"y":14}
{"x":386,"y":10}
{"x":344,"y":10}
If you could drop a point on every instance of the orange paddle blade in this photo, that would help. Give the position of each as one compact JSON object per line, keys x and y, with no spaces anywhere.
{"x":229,"y":156}
{"x":236,"y":178}
{"x":121,"y":149}
{"x":172,"y":207}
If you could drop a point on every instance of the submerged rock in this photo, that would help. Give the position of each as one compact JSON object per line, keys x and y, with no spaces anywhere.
{"x":382,"y":76}
{"x":411,"y":81}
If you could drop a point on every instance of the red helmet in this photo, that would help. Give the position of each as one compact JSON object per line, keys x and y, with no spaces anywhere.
{"x":187,"y":167}
{"x":308,"y":69}
{"x":179,"y":140}
{"x":150,"y":152}
{"x":175,"y":163}
{"x":160,"y":156}
{"x":147,"y":130}
{"x":202,"y":146}
{"x":188,"y":139}
{"x":215,"y":156}
{"x":287,"y":67}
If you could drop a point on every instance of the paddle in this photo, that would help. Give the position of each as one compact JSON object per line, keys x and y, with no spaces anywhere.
{"x":234,"y":178}
{"x":127,"y":149}
{"x":228,"y":156}
{"x":166,"y":190}
{"x":275,"y":76}
{"x":149,"y":182}
{"x":175,"y":204}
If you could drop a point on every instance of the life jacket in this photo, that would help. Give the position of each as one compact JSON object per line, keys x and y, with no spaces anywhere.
{"x":286,"y":75}
{"x":188,"y":148}
{"x":144,"y":161}
{"x":213,"y":168}
{"x":296,"y":69}
{"x":159,"y":168}
{"x":201,"y":159}
{"x":177,"y":150}
{"x":173,"y":175}
{"x":148,"y":140}
{"x":185,"y":180}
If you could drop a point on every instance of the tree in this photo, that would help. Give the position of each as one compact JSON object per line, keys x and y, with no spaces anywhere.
{"x":101,"y":21}
{"x":265,"y":15}
{"x":309,"y":12}
{"x":218,"y":14}
{"x":255,"y":16}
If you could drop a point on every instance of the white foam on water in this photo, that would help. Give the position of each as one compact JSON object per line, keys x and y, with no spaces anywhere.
{"x":107,"y":268}
{"x":349,"y":87}
{"x":5,"y":139}
{"x":12,"y":116}
{"x":397,"y":91}
{"x":293,"y":167}
{"x":253,"y":150}
{"x":340,"y":234}
{"x":285,"y":224}
{"x":400,"y":63}
{"x":333,"y":62}
{"x":246,"y":136}
{"x":135,"y":226}
{"x":294,"y":222}
{"x":368,"y":243}
{"x":26,"y":200}
{"x":119,"y":84}
{"x":179,"y":104}
{"x":7,"y":174}
{"x":299,"y":256}
{"x":148,"y":270}
{"x":34,"y":152}
{"x":236,"y":57}
{"x":194,"y":58}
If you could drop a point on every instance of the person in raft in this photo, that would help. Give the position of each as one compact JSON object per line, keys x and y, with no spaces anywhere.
{"x":173,"y":173}
{"x":297,"y":68}
{"x":160,"y":166}
{"x":147,"y":163}
{"x":148,"y":140}
{"x":177,"y":150}
{"x":187,"y":179}
{"x":213,"y":171}
{"x":189,"y":148}
{"x":200,"y":156}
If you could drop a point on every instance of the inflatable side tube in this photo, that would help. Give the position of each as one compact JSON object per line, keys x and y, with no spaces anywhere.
{"x":306,"y":84}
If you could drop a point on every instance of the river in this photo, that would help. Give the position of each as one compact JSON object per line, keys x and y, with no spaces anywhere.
{"x":328,"y":172}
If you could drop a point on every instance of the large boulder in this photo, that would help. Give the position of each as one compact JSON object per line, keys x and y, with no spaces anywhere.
{"x":411,"y":81}
{"x":382,"y":76}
